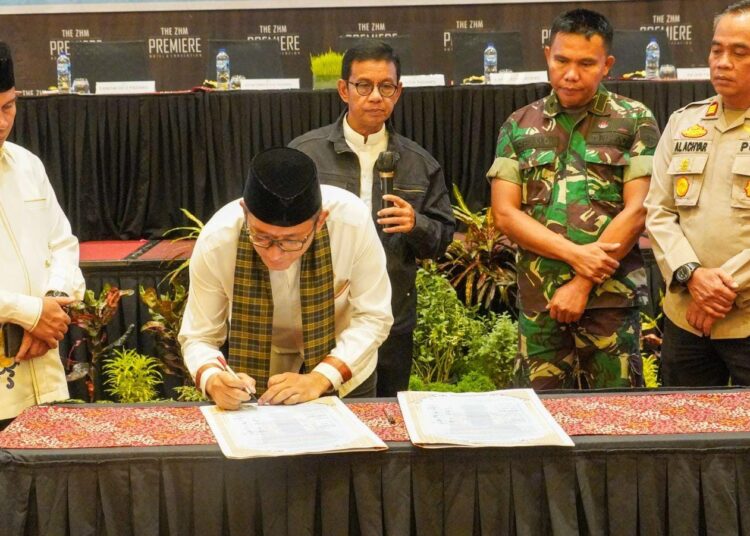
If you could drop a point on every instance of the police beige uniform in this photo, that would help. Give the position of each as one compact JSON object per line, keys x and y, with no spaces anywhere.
{"x":699,"y":206}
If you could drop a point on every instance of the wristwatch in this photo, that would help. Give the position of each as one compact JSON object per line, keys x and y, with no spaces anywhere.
{"x":57,"y":294}
{"x":683,"y":274}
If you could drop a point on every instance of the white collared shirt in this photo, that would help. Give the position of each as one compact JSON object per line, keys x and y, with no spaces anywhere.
{"x":362,"y":294}
{"x":38,"y":252}
{"x":367,"y":150}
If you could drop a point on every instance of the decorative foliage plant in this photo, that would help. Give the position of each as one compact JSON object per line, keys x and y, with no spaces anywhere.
{"x":132,"y":377}
{"x":453,"y":342}
{"x":166,"y":317}
{"x":483,"y":262}
{"x":651,"y":340}
{"x":189,"y":393}
{"x":188,"y":232}
{"x":92,"y":315}
{"x":326,"y":69}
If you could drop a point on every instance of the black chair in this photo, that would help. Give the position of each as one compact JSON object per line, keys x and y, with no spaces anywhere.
{"x":251,"y":59}
{"x":629,"y":50}
{"x":112,"y":61}
{"x":468,"y":52}
{"x":401,"y":45}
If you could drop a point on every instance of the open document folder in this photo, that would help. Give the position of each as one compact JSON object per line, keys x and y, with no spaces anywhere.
{"x":511,"y":418}
{"x":322,"y":425}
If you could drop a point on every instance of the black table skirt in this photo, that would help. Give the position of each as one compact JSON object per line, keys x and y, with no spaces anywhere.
{"x":123,"y":166}
{"x":636,"y":485}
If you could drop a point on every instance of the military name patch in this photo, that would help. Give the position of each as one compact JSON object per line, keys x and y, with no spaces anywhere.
{"x":691,"y":146}
{"x":536,"y":141}
{"x":696,"y":131}
{"x":681,"y":186}
{"x":617,"y":139}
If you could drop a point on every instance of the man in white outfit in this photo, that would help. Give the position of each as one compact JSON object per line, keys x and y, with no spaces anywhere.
{"x":39,"y":259}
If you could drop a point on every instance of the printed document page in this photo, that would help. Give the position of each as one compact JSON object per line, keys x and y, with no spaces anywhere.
{"x":509,"y":418}
{"x":322,"y":425}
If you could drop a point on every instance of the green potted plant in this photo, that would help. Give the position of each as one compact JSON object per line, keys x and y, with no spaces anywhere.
{"x":457,"y":348}
{"x":132,"y":377}
{"x":326,"y":69}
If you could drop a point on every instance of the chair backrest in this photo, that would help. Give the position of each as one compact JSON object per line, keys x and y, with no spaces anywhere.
{"x":111,"y":61}
{"x":468,"y":52}
{"x":629,"y":50}
{"x":401,"y":46}
{"x":251,"y":59}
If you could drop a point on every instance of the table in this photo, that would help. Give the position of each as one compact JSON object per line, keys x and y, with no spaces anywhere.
{"x":677,"y":484}
{"x":123,"y":165}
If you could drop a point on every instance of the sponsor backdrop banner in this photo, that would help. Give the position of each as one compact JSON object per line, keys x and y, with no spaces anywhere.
{"x":178,"y":41}
{"x":84,"y":6}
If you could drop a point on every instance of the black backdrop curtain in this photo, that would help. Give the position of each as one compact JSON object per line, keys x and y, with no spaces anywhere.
{"x":123,"y":166}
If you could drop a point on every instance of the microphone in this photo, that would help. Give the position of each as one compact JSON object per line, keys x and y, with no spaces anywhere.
{"x":386,"y":166}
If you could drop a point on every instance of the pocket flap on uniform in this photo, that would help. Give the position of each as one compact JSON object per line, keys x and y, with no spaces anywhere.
{"x":692,"y":164}
{"x":606,"y":154}
{"x":741,"y":165}
{"x":536,"y":157}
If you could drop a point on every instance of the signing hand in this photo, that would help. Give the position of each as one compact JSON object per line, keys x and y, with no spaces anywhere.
{"x":31,"y":347}
{"x":53,"y":322}
{"x":714,"y":290}
{"x":592,"y":261}
{"x":229,"y":392}
{"x":699,"y":319}
{"x":400,"y":218}
{"x":569,"y":301}
{"x":292,"y":388}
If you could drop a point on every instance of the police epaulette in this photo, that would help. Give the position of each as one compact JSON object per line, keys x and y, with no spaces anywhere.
{"x":696,"y":104}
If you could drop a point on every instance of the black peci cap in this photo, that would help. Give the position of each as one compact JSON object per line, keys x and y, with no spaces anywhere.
{"x":7,"y":80}
{"x":282,"y":187}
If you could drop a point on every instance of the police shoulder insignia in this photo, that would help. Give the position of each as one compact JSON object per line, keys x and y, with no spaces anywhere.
{"x":696,"y":131}
{"x":681,"y":186}
{"x":712,"y":110}
{"x":747,"y":188}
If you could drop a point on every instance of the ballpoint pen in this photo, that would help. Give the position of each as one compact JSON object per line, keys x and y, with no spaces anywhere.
{"x":225,"y":366}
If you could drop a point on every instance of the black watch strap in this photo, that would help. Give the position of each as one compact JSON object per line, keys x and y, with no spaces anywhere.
{"x":683,"y":274}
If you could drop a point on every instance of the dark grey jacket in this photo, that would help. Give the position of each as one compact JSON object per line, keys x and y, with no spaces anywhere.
{"x":419,"y":180}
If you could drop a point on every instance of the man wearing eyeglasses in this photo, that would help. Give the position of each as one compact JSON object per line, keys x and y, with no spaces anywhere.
{"x":418,"y":224}
{"x":293,"y":275}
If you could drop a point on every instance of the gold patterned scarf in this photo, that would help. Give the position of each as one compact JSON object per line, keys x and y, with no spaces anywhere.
{"x":250,"y":332}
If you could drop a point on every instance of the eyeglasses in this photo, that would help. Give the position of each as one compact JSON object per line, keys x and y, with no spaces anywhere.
{"x":364,"y":88}
{"x":285,"y":244}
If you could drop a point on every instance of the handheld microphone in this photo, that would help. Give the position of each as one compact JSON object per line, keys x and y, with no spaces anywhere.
{"x":386,"y":166}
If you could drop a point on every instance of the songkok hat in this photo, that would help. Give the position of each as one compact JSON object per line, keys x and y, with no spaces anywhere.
{"x":7,"y":80}
{"x":282,"y":187}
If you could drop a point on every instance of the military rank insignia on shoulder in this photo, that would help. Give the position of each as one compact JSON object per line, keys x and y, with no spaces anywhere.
{"x":712,"y":110}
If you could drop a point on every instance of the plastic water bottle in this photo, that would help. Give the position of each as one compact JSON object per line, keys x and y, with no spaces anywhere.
{"x":63,"y":73}
{"x":490,"y":62}
{"x":222,"y":69}
{"x":652,"y":59}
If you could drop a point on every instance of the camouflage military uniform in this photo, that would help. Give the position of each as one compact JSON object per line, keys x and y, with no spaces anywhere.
{"x":571,"y":168}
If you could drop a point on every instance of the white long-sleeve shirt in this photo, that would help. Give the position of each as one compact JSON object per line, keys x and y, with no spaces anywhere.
{"x":367,"y":151}
{"x":38,"y":253}
{"x":362,"y":294}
